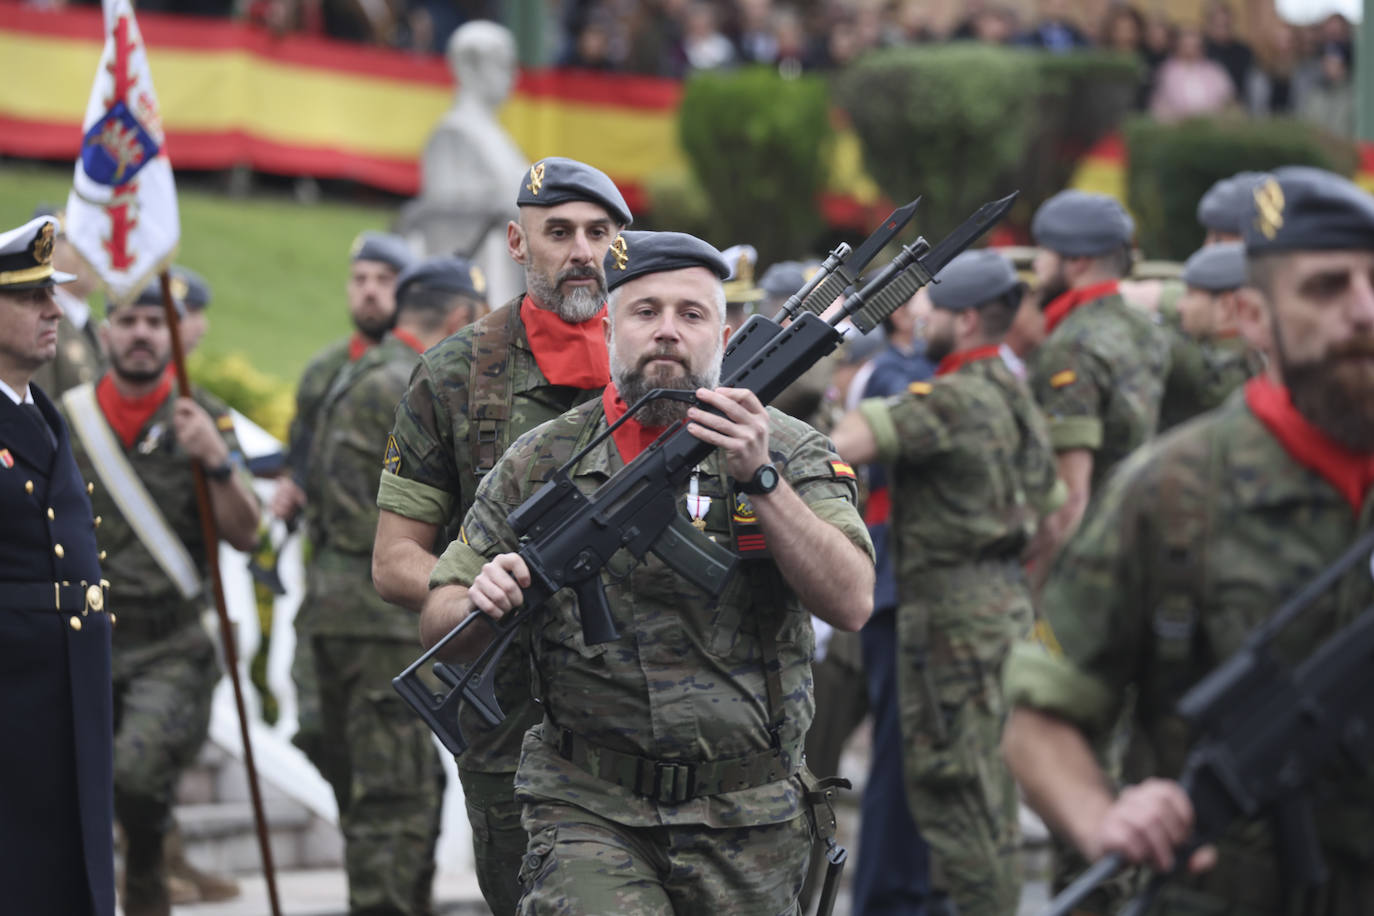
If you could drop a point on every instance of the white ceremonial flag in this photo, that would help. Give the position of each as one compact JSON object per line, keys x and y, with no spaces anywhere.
{"x":122,"y":210}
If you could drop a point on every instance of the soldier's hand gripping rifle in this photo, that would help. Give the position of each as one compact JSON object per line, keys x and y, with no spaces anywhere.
{"x":1265,"y":731}
{"x":566,"y":537}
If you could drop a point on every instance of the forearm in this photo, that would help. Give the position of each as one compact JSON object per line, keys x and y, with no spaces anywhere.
{"x":854,"y":439}
{"x":831,"y":576}
{"x":1075,"y":468}
{"x":236,"y":511}
{"x":1058,"y":774}
{"x":402,"y":561}
{"x":445,"y":608}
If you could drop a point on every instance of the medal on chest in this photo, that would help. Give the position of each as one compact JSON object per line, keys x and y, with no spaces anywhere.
{"x":152,"y":440}
{"x":697,"y":505}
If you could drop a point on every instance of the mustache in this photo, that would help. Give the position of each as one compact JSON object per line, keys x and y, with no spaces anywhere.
{"x":664,"y":353}
{"x":1355,"y":348}
{"x":579,"y":273}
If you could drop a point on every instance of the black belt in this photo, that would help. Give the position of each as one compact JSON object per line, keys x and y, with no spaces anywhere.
{"x":672,"y":782}
{"x":61,"y":597}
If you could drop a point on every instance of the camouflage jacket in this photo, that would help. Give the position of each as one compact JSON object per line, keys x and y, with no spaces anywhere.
{"x":1099,"y":377}
{"x":1202,"y":374}
{"x":430,"y":473}
{"x":972,"y":469}
{"x":78,"y":360}
{"x":353,"y":420}
{"x":319,"y":374}
{"x":1199,"y":538}
{"x":140,"y":589}
{"x":686,"y":680}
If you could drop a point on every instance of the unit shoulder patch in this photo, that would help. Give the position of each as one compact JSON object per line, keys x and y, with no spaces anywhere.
{"x":1065,"y":377}
{"x":391,"y":461}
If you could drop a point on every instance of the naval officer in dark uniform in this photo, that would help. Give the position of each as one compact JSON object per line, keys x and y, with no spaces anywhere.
{"x":56,"y":795}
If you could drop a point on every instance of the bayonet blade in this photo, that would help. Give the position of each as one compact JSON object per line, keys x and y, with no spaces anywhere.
{"x":969,"y":231}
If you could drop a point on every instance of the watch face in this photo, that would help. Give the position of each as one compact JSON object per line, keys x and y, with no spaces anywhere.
{"x":767,"y":478}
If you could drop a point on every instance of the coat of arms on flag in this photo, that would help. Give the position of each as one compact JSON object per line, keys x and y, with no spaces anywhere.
{"x":122,"y":212}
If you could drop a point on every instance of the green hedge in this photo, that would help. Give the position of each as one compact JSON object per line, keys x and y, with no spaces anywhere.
{"x":1172,"y":166}
{"x":964,"y":123}
{"x":758,"y":145}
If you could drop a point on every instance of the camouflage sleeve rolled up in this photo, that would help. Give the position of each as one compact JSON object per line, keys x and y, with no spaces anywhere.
{"x":420,"y":478}
{"x":908,"y":426}
{"x":1090,"y":645}
{"x":1071,"y":386}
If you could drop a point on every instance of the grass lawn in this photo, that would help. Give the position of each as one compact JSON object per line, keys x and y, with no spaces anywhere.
{"x":276,"y":267}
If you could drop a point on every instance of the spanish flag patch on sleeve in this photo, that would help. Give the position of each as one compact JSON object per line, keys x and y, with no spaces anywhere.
{"x":840,"y":469}
{"x":920,"y":388}
{"x":1060,"y":379}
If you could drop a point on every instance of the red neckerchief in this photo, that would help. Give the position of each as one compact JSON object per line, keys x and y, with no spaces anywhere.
{"x":1065,"y":303}
{"x":956,"y":361}
{"x":1349,"y":472}
{"x":358,"y":345}
{"x":127,"y":416}
{"x":632,"y":437}
{"x":567,"y":354}
{"x":409,"y":339}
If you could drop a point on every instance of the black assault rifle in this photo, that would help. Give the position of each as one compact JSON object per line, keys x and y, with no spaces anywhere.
{"x":1265,"y":731}
{"x":566,"y":537}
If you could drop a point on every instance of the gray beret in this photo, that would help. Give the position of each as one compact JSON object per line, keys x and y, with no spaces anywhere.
{"x":556,"y":180}
{"x":190,"y":288}
{"x":384,"y":247}
{"x":1300,"y":208}
{"x":634,"y":254}
{"x":972,"y":279}
{"x":1226,"y":204}
{"x":783,"y":278}
{"x":1081,"y":224}
{"x":449,"y":273}
{"x":1216,"y":268}
{"x":151,"y":294}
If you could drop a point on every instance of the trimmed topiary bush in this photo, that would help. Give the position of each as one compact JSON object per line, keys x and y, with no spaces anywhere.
{"x":758,"y":145}
{"x":1171,"y":166}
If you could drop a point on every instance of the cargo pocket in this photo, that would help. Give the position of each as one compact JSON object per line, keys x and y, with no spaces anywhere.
{"x":539,"y":859}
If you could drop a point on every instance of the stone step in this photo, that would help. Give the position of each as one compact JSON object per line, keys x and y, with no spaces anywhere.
{"x":222,"y":837}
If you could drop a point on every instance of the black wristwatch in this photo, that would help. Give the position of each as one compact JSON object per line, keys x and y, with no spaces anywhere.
{"x":765,"y":480}
{"x":221,"y":472}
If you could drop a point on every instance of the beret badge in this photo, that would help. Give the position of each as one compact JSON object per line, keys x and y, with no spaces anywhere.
{"x":620,"y":250}
{"x":1269,"y":208}
{"x":536,"y":178}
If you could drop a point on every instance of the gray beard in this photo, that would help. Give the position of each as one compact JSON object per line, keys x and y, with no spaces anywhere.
{"x":580,"y":305}
{"x":631,"y":383}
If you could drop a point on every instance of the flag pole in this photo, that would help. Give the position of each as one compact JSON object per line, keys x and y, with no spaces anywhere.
{"x":210,"y":534}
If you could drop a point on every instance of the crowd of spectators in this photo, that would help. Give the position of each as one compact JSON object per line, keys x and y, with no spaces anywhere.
{"x":1188,"y":68}
{"x":1197,"y":67}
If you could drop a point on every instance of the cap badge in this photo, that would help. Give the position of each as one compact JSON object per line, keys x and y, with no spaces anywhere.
{"x":42,"y":244}
{"x":536,"y":178}
{"x":357,"y":246}
{"x":1269,"y":203}
{"x":180,"y":288}
{"x":620,"y":250}
{"x":479,"y":280}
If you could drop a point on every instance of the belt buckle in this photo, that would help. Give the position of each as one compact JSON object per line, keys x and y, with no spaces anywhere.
{"x":674,"y":782}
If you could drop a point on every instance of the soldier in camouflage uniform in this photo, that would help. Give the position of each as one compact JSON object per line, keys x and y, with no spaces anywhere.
{"x":376,"y":260}
{"x":380,"y":758}
{"x":470,"y":397}
{"x":79,"y":358}
{"x":1199,"y":539}
{"x":1100,"y":372}
{"x":164,"y":663}
{"x":972,"y":474}
{"x":666,"y":776}
{"x":1209,"y":358}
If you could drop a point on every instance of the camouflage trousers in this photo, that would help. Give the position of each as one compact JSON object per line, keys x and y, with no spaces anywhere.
{"x":952,"y":643}
{"x":309,"y":729}
{"x":498,"y":837}
{"x":162,"y":689}
{"x":381,"y":761}
{"x":578,"y":863}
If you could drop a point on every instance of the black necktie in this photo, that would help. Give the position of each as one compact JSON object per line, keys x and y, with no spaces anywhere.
{"x":34,"y":414}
